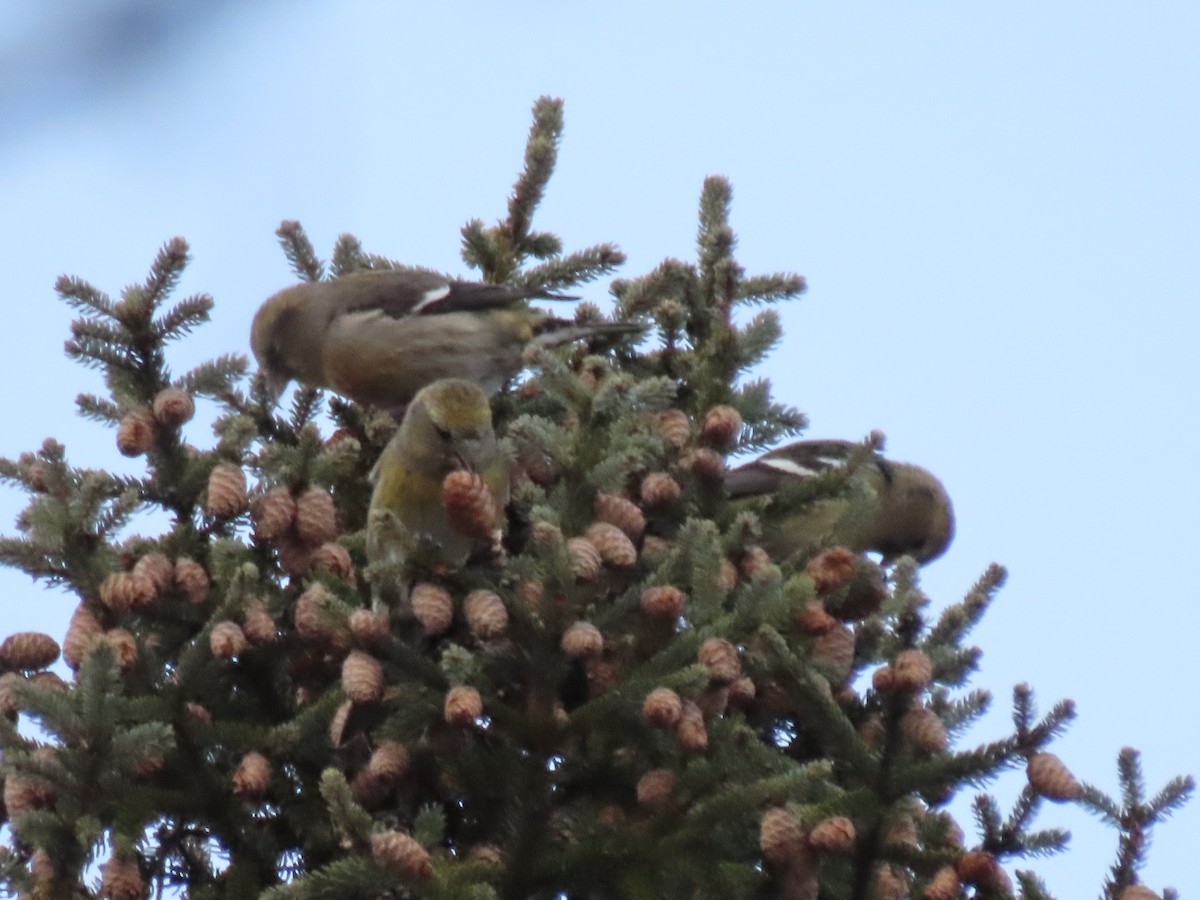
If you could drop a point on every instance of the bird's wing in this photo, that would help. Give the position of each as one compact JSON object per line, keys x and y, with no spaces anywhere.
{"x":408,"y":292}
{"x":801,"y":459}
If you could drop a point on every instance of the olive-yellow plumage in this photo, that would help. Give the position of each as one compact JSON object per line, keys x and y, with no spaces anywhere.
{"x":894,"y":509}
{"x":447,"y":427}
{"x":379,"y":336}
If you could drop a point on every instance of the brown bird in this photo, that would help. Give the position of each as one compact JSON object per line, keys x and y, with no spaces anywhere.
{"x":894,"y":509}
{"x":379,"y":336}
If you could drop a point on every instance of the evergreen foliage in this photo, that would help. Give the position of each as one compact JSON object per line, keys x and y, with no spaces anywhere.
{"x":636,"y":701}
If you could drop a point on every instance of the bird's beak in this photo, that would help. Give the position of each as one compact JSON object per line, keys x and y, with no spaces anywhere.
{"x":273,"y":383}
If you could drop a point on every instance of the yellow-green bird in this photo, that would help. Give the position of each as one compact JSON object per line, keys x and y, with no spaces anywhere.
{"x":447,"y":427}
{"x":379,"y":336}
{"x":892,"y":508}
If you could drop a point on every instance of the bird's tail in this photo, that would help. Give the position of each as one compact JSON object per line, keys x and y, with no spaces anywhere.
{"x":556,"y":332}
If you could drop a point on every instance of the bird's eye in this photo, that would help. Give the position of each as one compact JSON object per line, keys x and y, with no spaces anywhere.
{"x":443,"y":433}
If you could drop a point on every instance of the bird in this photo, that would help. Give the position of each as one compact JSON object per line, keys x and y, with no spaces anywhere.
{"x":892,"y":508}
{"x":446,"y":428}
{"x":378,"y":336}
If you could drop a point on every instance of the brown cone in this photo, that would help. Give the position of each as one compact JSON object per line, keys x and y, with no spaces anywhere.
{"x":485,"y":613}
{"x":623,"y":513}
{"x":662,"y":708}
{"x":136,"y":433}
{"x":273,"y":514}
{"x":432,"y":607}
{"x":362,"y":677}
{"x":316,"y":517}
{"x":173,"y":407}
{"x":612,"y":544}
{"x":398,"y":852}
{"x":470,"y":506}
{"x":28,"y":650}
{"x":226,"y":496}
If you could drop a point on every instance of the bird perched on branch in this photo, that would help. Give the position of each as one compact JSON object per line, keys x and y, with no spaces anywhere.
{"x":446,"y":429}
{"x":379,"y":336}
{"x":892,"y":508}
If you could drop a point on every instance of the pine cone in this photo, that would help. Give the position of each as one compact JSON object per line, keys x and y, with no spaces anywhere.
{"x":124,"y":647}
{"x":720,"y":658}
{"x":362,"y":677}
{"x":831,"y":568}
{"x":833,"y":835}
{"x":226,"y":495}
{"x":834,"y":650}
{"x":121,"y":879}
{"x":753,"y":560}
{"x":781,"y":836}
{"x":316,"y":517}
{"x":337,"y":725}
{"x":675,"y":427}
{"x":690,"y":733}
{"x":911,"y":671}
{"x":84,"y":628}
{"x":226,"y":640}
{"x":485,"y":613}
{"x":582,"y":639}
{"x":742,"y":692}
{"x":616,"y":510}
{"x":24,"y":792}
{"x":463,"y":705}
{"x":1047,"y":775}
{"x":313,"y":616}
{"x":258,"y":626}
{"x":721,"y":427}
{"x":470,"y":506}
{"x":944,"y":885}
{"x":295,"y":555}
{"x":890,"y":883}
{"x":136,"y":433}
{"x":273,"y":513}
{"x":545,"y":537}
{"x":612,"y":544}
{"x":335,"y":559}
{"x":602,"y":675}
{"x":41,"y":868}
{"x":1138,"y":892}
{"x":432,"y":607}
{"x":158,"y":568}
{"x":655,"y":788}
{"x":662,"y":708}
{"x":705,"y":464}
{"x":531,"y":593}
{"x":813,"y":620}
{"x":488,"y":854}
{"x":923,"y":729}
{"x":585,"y":559}
{"x":28,"y":650}
{"x":884,"y":679}
{"x":399,"y":853}
{"x":980,"y":868}
{"x":123,"y":591}
{"x":369,"y":628}
{"x":252,"y":777}
{"x":663,"y":602}
{"x":173,"y":407}
{"x":191,"y":578}
{"x":389,"y":763}
{"x":659,"y":489}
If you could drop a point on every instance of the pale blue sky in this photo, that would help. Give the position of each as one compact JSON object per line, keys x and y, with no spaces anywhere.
{"x":995,"y":207}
